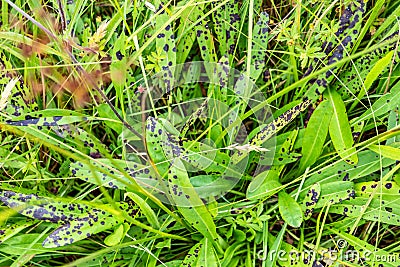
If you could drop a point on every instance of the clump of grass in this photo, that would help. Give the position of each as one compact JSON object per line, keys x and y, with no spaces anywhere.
{"x":112,"y":151}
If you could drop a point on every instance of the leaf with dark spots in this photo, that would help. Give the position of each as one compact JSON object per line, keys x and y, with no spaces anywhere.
{"x":368,"y":163}
{"x":78,"y":220}
{"x":345,"y":33}
{"x":205,"y":157}
{"x":192,"y":256}
{"x":226,"y":25}
{"x":272,"y":128}
{"x":330,"y":193}
{"x":48,"y":121}
{"x":206,"y":44}
{"x":158,"y":150}
{"x":193,"y":117}
{"x":268,"y":183}
{"x":310,"y":201}
{"x":41,"y":208}
{"x":105,"y":172}
{"x":10,"y":229}
{"x":207,"y":255}
{"x":388,"y":191}
{"x":164,"y":145}
{"x":119,"y":65}
{"x":364,"y":64}
{"x":221,"y":79}
{"x":259,"y":46}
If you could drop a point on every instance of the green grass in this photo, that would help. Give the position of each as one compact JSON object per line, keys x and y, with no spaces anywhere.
{"x":215,"y":133}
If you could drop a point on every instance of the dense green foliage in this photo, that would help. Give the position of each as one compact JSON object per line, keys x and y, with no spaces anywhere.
{"x":116,"y":150}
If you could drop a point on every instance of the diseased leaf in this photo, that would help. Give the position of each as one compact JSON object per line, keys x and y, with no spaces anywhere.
{"x":226,"y":25}
{"x":41,"y":208}
{"x":334,"y":192}
{"x":264,"y":185}
{"x":271,"y":129}
{"x":207,"y":255}
{"x":103,"y":172}
{"x":393,"y":122}
{"x":352,"y":80}
{"x":206,"y":43}
{"x":386,"y":151}
{"x":115,"y":237}
{"x":96,"y":221}
{"x":8,"y":230}
{"x":118,"y":67}
{"x":348,"y":30}
{"x":190,"y":205}
{"x":368,"y":164}
{"x":165,"y":41}
{"x":315,"y":135}
{"x":310,"y":200}
{"x":192,"y":256}
{"x":49,"y":118}
{"x":386,"y":190}
{"x":380,"y":66}
{"x":79,"y":221}
{"x":145,"y":209}
{"x":268,"y":183}
{"x":374,"y":210}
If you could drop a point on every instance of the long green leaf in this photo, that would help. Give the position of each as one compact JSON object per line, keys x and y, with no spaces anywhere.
{"x":340,"y":131}
{"x":315,"y":134}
